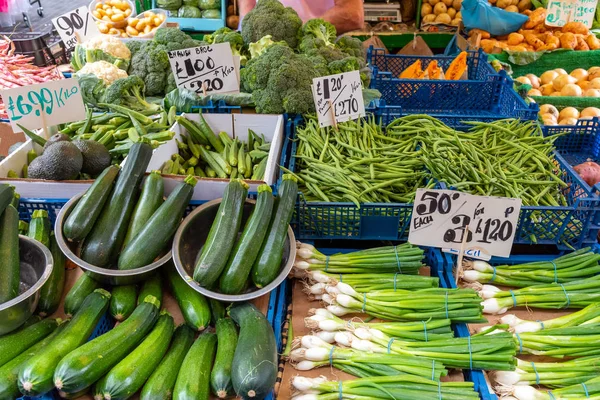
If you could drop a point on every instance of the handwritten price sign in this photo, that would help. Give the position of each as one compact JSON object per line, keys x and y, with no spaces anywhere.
{"x":205,"y":69}
{"x":440,"y":219}
{"x":76,"y":23}
{"x":563,"y":11}
{"x":338,"y":98}
{"x":46,"y":104}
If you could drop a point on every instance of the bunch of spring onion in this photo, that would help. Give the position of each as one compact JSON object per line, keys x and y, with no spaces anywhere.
{"x":576,"y":341}
{"x":576,"y":294}
{"x":577,"y":265}
{"x":405,"y":387}
{"x":368,"y":282}
{"x":585,"y":316}
{"x":315,"y":353}
{"x":495,"y":352}
{"x":552,"y":375}
{"x":586,"y":390}
{"x":458,"y":305}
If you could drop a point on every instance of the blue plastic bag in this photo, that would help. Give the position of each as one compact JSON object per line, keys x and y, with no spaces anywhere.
{"x":482,"y":15}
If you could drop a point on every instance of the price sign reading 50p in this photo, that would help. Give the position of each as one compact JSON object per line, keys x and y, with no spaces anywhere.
{"x":338,"y":98}
{"x":441,"y":218}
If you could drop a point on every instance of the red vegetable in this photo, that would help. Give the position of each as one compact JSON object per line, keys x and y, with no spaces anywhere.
{"x":589,"y":171}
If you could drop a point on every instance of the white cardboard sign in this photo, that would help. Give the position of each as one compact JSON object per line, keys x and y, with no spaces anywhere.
{"x":43,"y":105}
{"x":205,"y":69}
{"x":562,"y":11}
{"x":440,"y":219}
{"x":76,"y":26}
{"x":338,"y":98}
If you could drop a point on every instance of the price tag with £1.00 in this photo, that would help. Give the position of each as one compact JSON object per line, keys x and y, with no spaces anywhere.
{"x":338,"y":98}
{"x":76,"y":26}
{"x":440,"y":219}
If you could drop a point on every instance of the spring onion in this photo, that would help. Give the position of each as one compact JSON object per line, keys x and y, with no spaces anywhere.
{"x":586,"y":390}
{"x":577,"y":341}
{"x":377,"y":281}
{"x":587,"y":315}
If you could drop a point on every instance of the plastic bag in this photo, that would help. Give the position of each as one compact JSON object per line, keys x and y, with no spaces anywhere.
{"x":482,"y":15}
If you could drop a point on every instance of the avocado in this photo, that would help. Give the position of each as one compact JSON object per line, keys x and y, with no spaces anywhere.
{"x":59,"y":137}
{"x":96,"y":157}
{"x":61,"y":161}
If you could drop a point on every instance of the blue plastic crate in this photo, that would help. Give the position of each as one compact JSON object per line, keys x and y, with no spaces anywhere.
{"x":577,"y":143}
{"x":198,"y":24}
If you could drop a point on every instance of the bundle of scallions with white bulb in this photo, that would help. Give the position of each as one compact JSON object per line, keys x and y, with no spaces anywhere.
{"x":585,"y":316}
{"x":589,"y":389}
{"x":574,"y":266}
{"x":405,"y":387}
{"x":576,"y":341}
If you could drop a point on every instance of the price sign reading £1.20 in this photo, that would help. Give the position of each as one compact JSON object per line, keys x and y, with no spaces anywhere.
{"x":76,"y":26}
{"x":440,"y":219}
{"x":46,"y":104}
{"x":205,"y":69}
{"x":338,"y":98}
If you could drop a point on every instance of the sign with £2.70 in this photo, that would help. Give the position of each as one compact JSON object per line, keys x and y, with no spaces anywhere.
{"x":562,"y":11}
{"x":49,"y":103}
{"x":76,"y":26}
{"x":338,"y":98}
{"x":205,"y":69}
{"x":440,"y":219}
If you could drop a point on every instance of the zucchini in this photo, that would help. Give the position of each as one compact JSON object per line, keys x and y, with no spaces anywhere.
{"x":162,"y":381}
{"x":82,"y":218}
{"x":150,"y":199}
{"x":23,"y":227}
{"x":39,"y":227}
{"x":13,"y":344}
{"x":16,"y":201}
{"x":123,"y":301}
{"x":10,"y":267}
{"x":51,"y":292}
{"x":88,"y":363}
{"x":235,"y":277}
{"x":254,"y":367}
{"x":7,"y":193}
{"x":84,"y":285}
{"x":268,"y":263}
{"x":153,"y":287}
{"x":35,"y":376}
{"x":193,"y":379}
{"x":218,"y":310}
{"x":222,"y":235}
{"x":128,"y":376}
{"x":194,"y":306}
{"x":102,"y":245}
{"x":158,"y":232}
{"x":34,"y":319}
{"x":220,"y":377}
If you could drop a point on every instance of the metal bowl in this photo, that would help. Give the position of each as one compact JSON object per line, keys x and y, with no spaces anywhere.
{"x":103,"y":275}
{"x":36,"y":267}
{"x":190,"y":238}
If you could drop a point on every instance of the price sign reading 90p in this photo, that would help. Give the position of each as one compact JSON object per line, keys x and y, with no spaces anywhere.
{"x":205,"y":69}
{"x":440,"y":219}
{"x":338,"y":98}
{"x":75,"y":26}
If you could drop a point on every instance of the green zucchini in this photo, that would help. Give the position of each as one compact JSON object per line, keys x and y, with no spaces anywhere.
{"x":162,"y":381}
{"x":220,"y":377}
{"x":153,"y":287}
{"x":10,"y":267}
{"x":51,"y":292}
{"x":254,"y":367}
{"x":158,"y":232}
{"x":150,"y":199}
{"x":7,"y":193}
{"x":35,"y":376}
{"x":85,"y":213}
{"x":194,"y":306}
{"x":88,"y":363}
{"x":39,"y":227}
{"x":84,"y":285}
{"x":102,"y":245}
{"x":123,"y":301}
{"x":218,"y":310}
{"x":128,"y":376}
{"x":193,"y":379}
{"x":34,"y":319}
{"x":222,"y":234}
{"x":23,"y":228}
{"x":234,"y":278}
{"x":13,"y":344}
{"x":268,"y":263}
{"x":16,"y":201}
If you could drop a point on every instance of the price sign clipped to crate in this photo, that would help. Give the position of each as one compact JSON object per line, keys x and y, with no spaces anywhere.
{"x":76,"y":26}
{"x":441,"y":218}
{"x":43,"y":105}
{"x":562,"y":11}
{"x":205,"y":69}
{"x":338,"y":98}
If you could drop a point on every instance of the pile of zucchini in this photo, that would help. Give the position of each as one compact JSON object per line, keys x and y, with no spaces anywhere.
{"x":204,"y":154}
{"x":10,"y":269}
{"x":231,"y":265}
{"x":119,"y":224}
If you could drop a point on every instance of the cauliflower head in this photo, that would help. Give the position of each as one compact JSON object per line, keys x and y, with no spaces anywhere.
{"x":110,"y":45}
{"x":103,"y":70}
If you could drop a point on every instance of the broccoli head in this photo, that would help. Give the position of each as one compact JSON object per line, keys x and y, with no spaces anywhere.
{"x":171,"y":84}
{"x":344,"y":65}
{"x":170,"y":35}
{"x":351,"y":46}
{"x":92,"y":88}
{"x":129,"y":92}
{"x":210,"y":38}
{"x":134,"y":46}
{"x":226,"y":35}
{"x":257,"y":48}
{"x":320,"y":64}
{"x":328,"y":53}
{"x":270,"y":17}
{"x":318,"y":29}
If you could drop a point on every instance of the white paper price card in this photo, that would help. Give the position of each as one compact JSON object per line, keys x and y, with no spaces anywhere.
{"x":338,"y":98}
{"x":46,"y":104}
{"x":76,"y":26}
{"x":205,"y":69}
{"x":562,"y":11}
{"x":441,"y":217}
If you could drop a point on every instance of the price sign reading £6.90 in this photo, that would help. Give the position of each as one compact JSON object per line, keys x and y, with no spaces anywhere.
{"x":76,"y":26}
{"x":338,"y":98}
{"x":440,"y":219}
